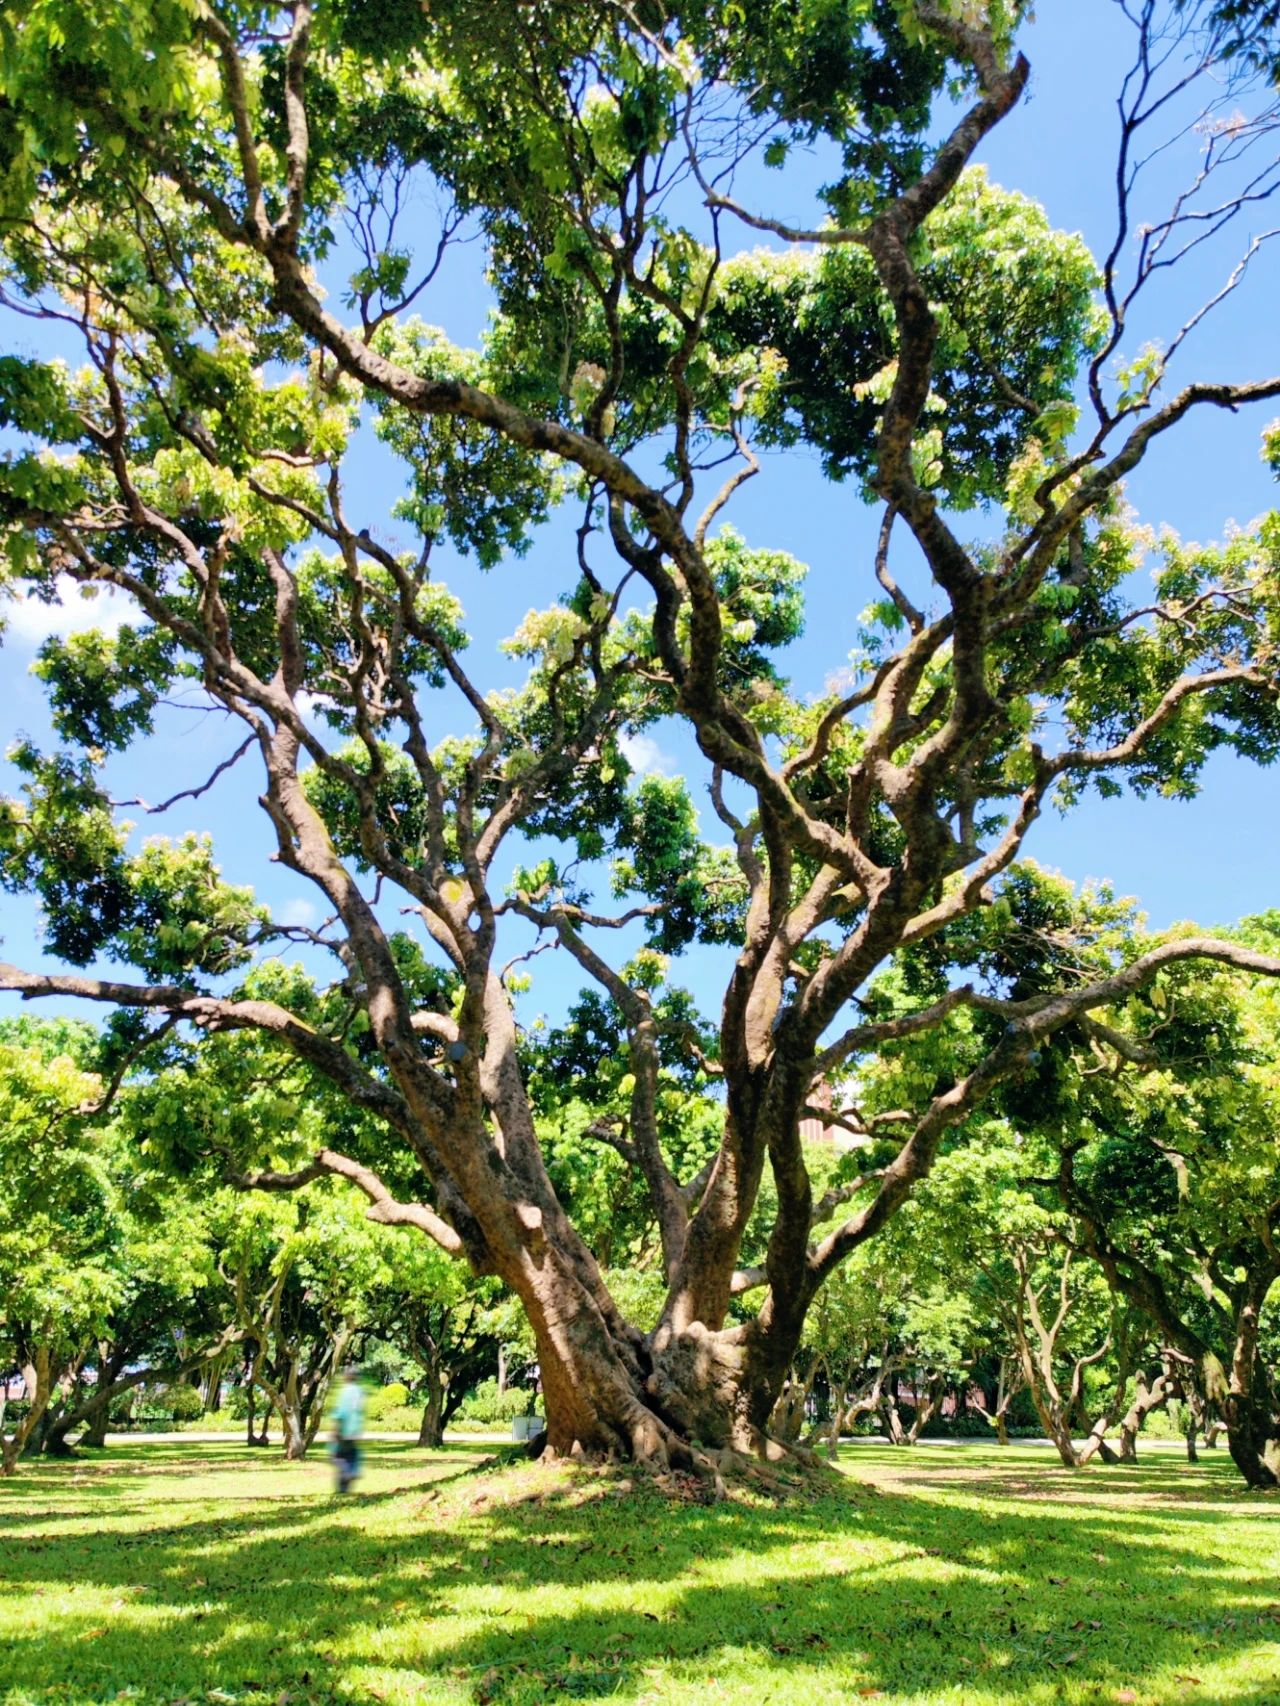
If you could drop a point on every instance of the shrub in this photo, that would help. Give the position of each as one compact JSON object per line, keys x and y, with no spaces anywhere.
{"x":488,"y":1407}
{"x":1159,"y":1424}
{"x":181,"y":1403}
{"x":967,"y":1425}
{"x":386,"y":1398}
{"x":236,"y":1402}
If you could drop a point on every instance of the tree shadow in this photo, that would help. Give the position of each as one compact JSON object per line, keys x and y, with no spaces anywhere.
{"x":532,"y":1586}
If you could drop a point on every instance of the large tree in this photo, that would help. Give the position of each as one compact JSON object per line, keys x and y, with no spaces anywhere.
{"x":173,"y":178}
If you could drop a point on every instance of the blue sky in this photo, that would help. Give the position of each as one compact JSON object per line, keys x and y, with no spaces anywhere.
{"x":1211,"y":859}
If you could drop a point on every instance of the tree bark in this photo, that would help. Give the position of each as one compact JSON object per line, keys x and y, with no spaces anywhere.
{"x":1148,"y":1395}
{"x":431,"y":1430}
{"x":994,"y":1408}
{"x":38,"y":1378}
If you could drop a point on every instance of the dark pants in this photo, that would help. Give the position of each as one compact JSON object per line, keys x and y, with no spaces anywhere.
{"x":346,"y":1461}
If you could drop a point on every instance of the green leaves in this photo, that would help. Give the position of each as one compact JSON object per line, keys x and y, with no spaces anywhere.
{"x":104,"y":688}
{"x":467,"y":483}
{"x":700,"y":889}
{"x":164,"y":909}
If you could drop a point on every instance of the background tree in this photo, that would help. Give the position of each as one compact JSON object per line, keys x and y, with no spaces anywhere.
{"x":443,"y":1320}
{"x":172,"y":180}
{"x":59,"y":1218}
{"x":301,"y":1269}
{"x":1172,"y":1173}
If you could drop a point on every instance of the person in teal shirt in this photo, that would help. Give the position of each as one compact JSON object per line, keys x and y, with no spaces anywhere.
{"x":348,"y":1429}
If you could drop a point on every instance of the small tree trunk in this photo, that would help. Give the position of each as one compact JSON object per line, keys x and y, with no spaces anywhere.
{"x":893,"y":1420}
{"x":1147,"y":1395}
{"x":1054,"y":1418}
{"x":926,"y":1408}
{"x":788,"y":1415}
{"x":1095,"y":1445}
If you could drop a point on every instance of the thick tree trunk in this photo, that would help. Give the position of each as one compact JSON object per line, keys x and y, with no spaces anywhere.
{"x":431,"y":1431}
{"x":53,"y":1436}
{"x":37,"y":1375}
{"x":98,"y":1420}
{"x":295,"y":1434}
{"x":1253,"y":1438}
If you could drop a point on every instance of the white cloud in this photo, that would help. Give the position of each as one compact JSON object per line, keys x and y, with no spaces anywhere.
{"x":645,"y":756}
{"x":299,"y":911}
{"x":30,"y":621}
{"x":310,"y":704}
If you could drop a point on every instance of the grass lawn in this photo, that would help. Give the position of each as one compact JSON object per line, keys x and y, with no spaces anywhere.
{"x":163,"y":1572}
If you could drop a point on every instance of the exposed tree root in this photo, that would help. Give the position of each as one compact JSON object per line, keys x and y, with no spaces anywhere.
{"x":678,"y":1468}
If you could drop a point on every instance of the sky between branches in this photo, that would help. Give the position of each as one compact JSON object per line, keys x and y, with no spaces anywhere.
{"x":1211,"y":859}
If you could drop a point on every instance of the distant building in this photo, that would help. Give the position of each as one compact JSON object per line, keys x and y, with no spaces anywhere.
{"x":817,"y":1130}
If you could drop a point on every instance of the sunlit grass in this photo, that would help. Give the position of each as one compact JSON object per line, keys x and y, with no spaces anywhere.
{"x":197,"y":1572}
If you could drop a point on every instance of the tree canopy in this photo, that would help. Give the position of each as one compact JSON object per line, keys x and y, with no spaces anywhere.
{"x":179,"y":182}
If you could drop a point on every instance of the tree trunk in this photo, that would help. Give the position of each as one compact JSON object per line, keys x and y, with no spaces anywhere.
{"x":994,"y":1408}
{"x":789,"y":1412}
{"x":926,"y":1409}
{"x":295,"y":1438}
{"x":1253,"y":1438}
{"x":1147,"y":1396}
{"x":431,"y":1432}
{"x":53,"y":1440}
{"x":95,"y":1434}
{"x":892,"y":1420}
{"x":37,"y":1375}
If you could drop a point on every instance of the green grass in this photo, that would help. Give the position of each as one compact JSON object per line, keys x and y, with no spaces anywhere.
{"x":161,"y":1572}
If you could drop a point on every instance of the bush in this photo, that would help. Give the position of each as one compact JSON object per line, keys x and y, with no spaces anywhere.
{"x":386,"y":1398}
{"x":181,"y":1403}
{"x":487,"y":1407}
{"x":405,"y":1420}
{"x":967,"y":1425}
{"x":1159,"y":1424}
{"x":156,"y":1407}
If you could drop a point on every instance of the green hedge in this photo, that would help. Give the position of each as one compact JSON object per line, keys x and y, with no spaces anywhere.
{"x":385,"y":1399}
{"x":487,"y":1407}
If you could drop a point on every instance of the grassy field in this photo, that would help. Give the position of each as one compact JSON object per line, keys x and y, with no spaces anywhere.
{"x":194,"y":1573}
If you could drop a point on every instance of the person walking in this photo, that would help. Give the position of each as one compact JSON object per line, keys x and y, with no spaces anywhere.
{"x":348,"y":1430}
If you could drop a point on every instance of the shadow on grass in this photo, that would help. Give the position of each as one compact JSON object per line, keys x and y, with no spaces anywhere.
{"x":538,"y":1588}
